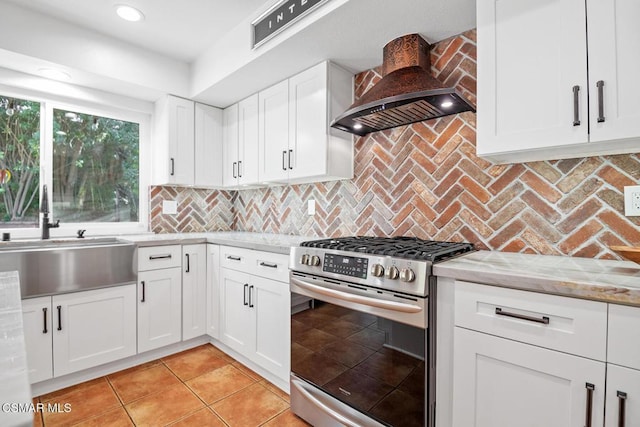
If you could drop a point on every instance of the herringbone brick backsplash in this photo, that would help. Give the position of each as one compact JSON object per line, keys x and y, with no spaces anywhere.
{"x":425,"y":180}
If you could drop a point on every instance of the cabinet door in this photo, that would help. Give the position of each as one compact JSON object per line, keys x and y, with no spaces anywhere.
{"x":93,"y":327}
{"x":248,"y":140}
{"x":194,"y":291}
{"x":531,"y":55}
{"x":230,"y":146}
{"x":213,"y":291}
{"x":271,"y":303}
{"x":614,"y":37}
{"x":274,"y":133}
{"x":36,"y":319}
{"x":181,"y":141}
{"x":208,"y":146}
{"x":503,"y":383}
{"x":308,"y":122}
{"x":236,"y":318}
{"x":623,"y":397}
{"x":159,"y":308}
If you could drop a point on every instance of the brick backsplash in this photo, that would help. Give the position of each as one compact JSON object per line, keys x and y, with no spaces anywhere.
{"x":425,"y":180}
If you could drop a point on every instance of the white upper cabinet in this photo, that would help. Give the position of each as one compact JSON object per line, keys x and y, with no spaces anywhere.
{"x":208,"y":146}
{"x":536,"y":100}
{"x":240,"y":143}
{"x":187,"y":143}
{"x":297,"y":144}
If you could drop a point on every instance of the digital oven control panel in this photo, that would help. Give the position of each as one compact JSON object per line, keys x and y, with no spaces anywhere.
{"x":347,"y":265}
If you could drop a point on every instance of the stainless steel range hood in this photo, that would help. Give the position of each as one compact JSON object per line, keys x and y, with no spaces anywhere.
{"x":407,"y":92}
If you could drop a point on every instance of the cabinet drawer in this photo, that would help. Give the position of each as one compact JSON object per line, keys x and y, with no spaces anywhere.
{"x":566,"y":324}
{"x":272,"y":266}
{"x":240,"y":259}
{"x":157,"y":257}
{"x":624,"y":331}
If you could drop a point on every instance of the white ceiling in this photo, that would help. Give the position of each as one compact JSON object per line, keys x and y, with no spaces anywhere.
{"x":178,"y":29}
{"x":201,"y":49}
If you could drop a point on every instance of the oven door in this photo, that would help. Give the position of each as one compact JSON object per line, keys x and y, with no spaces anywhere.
{"x":357,"y":355}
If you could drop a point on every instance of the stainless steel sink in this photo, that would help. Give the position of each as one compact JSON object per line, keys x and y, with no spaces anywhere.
{"x":59,"y":266}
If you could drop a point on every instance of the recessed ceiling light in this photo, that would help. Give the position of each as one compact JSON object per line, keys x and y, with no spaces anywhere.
{"x":53,"y":74}
{"x":129,"y":13}
{"x":357,"y":126}
{"x":446,"y":104}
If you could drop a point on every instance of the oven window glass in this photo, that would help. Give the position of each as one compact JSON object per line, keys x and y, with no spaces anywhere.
{"x":370,"y":363}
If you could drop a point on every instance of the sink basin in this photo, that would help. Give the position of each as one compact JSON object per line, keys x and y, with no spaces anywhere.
{"x":50,"y":267}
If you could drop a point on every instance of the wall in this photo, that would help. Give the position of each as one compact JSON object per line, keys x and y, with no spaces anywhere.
{"x":425,"y":180}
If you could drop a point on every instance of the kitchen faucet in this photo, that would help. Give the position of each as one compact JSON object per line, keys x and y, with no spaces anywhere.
{"x":44,"y":208}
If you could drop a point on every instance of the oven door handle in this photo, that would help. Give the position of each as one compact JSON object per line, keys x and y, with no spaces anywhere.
{"x":323,"y":407}
{"x":372,"y":302}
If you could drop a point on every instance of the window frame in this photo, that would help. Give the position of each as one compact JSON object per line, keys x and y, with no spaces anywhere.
{"x":108,"y":109}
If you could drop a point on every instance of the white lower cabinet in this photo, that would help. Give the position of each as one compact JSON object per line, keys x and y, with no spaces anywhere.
{"x":38,"y":330}
{"x":159,"y":308}
{"x":254,"y":319}
{"x":623,"y":397}
{"x":71,"y":332}
{"x":504,"y":383}
{"x":194,"y":291}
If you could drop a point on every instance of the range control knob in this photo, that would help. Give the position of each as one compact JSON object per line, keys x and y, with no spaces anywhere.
{"x":377,"y":270}
{"x":407,"y":275}
{"x":305,"y":259}
{"x":392,"y":273}
{"x":315,"y":261}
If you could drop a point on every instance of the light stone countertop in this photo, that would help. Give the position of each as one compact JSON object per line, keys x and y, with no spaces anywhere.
{"x":601,"y":280}
{"x":277,"y":243}
{"x":15,"y":389}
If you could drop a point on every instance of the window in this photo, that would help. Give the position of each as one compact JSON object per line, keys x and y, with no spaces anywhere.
{"x":89,"y":159}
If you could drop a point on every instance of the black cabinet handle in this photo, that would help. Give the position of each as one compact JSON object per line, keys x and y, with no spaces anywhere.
{"x":173,"y":166}
{"x":587,"y":418}
{"x":235,"y":164}
{"x":544,"y":319}
{"x":239,"y":168}
{"x":143,"y":296}
{"x":250,"y":292}
{"x":268,"y":264}
{"x":600,"y":86}
{"x":154,"y":257}
{"x":188,"y":266}
{"x":44,"y":315}
{"x":284,"y":155}
{"x":622,"y":398}
{"x":59,"y":317}
{"x":233,"y":258}
{"x":244,"y":292}
{"x":576,"y":105}
{"x":290,"y":156}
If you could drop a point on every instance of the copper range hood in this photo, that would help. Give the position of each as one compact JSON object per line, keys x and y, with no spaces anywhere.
{"x":407,"y":92}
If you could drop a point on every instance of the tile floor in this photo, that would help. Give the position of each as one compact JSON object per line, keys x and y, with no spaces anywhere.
{"x":198,"y":387}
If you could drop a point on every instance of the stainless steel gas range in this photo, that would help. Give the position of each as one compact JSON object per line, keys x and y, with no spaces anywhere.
{"x":362,"y":345}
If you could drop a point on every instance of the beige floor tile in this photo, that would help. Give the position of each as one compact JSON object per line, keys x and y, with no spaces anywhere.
{"x":164,"y":407}
{"x":85,"y":401}
{"x":201,"y":418}
{"x":192,"y":363}
{"x":218,"y":384}
{"x":117,"y":417}
{"x":251,"y":406}
{"x":136,"y":384}
{"x":286,"y":419}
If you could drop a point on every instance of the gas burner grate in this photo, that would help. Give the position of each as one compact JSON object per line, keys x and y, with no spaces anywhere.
{"x":399,"y":247}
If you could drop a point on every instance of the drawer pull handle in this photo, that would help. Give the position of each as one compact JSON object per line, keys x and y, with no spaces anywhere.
{"x":622,"y":397}
{"x":143,"y":296}
{"x":250,"y":292}
{"x":154,"y":257}
{"x":188,"y":265}
{"x":234,"y":258}
{"x":600,"y":86}
{"x":44,"y":315}
{"x":235,"y":164}
{"x":544,"y":320}
{"x":244,"y":292}
{"x":284,"y":155}
{"x":173,"y":167}
{"x":289,"y":160}
{"x":59,"y":317}
{"x":590,"y":387}
{"x":576,"y":105}
{"x":268,"y":264}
